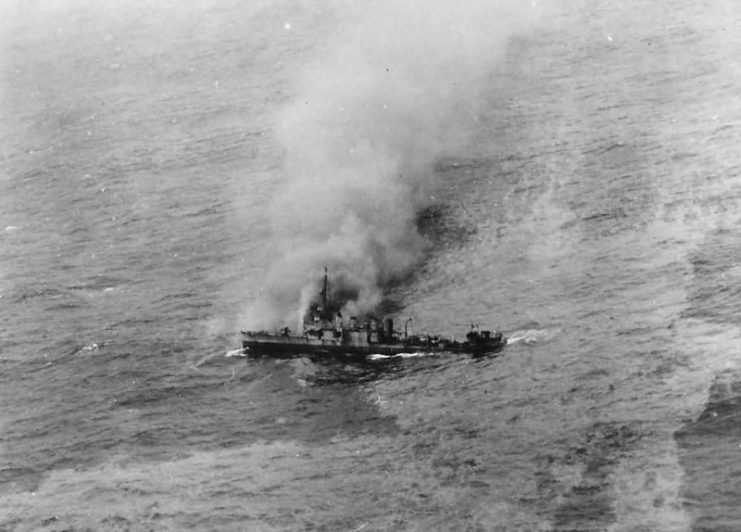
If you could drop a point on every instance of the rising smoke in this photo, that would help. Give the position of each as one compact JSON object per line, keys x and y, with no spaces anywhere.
{"x":401,"y":86}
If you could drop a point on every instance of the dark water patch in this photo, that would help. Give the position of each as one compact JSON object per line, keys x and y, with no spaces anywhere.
{"x":68,"y":305}
{"x":682,"y":156}
{"x":155,"y":392}
{"x":99,"y":282}
{"x":456,"y":164}
{"x":65,"y":447}
{"x":219,"y":208}
{"x":17,"y":479}
{"x":715,"y":291}
{"x":604,"y":148}
{"x":420,"y":366}
{"x":289,"y":400}
{"x":605,"y":216}
{"x":119,"y":522}
{"x":634,"y":331}
{"x":324,"y":400}
{"x":528,"y":189}
{"x":133,"y":323}
{"x":723,"y":128}
{"x":48,"y":431}
{"x":183,"y":304}
{"x":709,"y":449}
{"x":439,"y":224}
{"x":330,"y":372}
{"x":598,"y":373}
{"x":12,"y":523}
{"x":582,"y":499}
{"x":22,"y":294}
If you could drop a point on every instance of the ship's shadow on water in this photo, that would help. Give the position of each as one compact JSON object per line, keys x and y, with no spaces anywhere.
{"x":316,"y":401}
{"x":358,"y":371}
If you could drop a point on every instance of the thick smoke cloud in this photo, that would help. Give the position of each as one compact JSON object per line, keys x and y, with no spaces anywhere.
{"x":399,"y":88}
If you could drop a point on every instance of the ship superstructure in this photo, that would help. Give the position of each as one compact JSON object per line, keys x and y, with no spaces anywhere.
{"x":326,"y":333}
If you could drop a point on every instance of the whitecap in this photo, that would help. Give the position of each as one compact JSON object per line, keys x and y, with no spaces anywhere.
{"x":88,"y":348}
{"x":236,"y":353}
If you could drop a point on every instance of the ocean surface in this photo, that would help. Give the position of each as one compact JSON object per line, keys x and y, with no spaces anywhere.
{"x":594,"y":216}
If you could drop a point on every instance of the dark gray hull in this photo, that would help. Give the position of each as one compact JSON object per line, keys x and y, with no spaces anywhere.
{"x":280,"y":345}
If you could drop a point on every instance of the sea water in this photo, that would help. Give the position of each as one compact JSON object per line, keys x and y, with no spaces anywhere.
{"x":592,"y":216}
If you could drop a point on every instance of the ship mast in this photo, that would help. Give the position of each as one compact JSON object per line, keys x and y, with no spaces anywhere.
{"x":325,"y":291}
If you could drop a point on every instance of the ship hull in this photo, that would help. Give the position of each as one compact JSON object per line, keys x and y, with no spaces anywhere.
{"x":287,"y":346}
{"x":325,"y":334}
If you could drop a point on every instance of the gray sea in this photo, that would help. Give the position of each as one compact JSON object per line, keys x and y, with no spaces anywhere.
{"x":593,"y":215}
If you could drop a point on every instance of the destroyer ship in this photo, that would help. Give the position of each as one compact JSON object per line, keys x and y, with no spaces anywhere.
{"x":325,"y":333}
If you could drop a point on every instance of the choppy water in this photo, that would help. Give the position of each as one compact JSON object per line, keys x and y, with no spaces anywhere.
{"x":594,"y":219}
